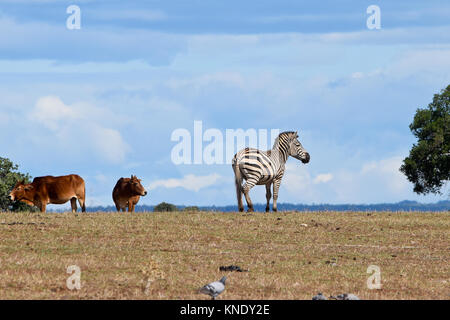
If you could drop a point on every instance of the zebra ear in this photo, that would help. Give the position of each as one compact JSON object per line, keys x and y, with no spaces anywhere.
{"x":296,"y":134}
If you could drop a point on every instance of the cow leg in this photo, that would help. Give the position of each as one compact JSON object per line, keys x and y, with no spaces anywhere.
{"x":268,"y":196}
{"x":133,"y":205}
{"x":81,"y":195}
{"x":130,"y":206}
{"x":117,"y":207}
{"x":73,"y":203}
{"x":82,"y":203}
{"x":43,"y":207}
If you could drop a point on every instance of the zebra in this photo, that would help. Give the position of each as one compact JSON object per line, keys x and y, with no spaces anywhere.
{"x":265,"y":167}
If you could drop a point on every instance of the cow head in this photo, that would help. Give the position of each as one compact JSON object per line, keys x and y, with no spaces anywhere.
{"x":136,"y":186}
{"x":20,"y":191}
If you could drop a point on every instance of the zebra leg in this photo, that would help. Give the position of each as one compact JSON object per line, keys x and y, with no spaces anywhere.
{"x":239,"y":194}
{"x":248,"y":185}
{"x":276,"y":187}
{"x":268,"y":196}
{"x":238,"y":184}
{"x":239,"y":198}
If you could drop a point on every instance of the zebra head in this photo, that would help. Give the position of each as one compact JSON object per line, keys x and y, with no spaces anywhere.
{"x":296,"y":149}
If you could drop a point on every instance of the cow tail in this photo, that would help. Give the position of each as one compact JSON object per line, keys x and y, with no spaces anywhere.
{"x":83,"y":206}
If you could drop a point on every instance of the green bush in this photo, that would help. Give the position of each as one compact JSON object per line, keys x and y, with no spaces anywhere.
{"x":165,"y":207}
{"x":191,"y":208}
{"x":8,"y":178}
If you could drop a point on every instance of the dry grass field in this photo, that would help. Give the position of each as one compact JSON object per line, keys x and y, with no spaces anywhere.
{"x":290,"y":255}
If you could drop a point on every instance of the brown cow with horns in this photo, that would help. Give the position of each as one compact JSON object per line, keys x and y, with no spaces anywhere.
{"x":127,"y":193}
{"x":49,"y":189}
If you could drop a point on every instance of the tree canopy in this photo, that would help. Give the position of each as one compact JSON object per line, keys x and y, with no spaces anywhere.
{"x":428,"y":163}
{"x":8,"y":178}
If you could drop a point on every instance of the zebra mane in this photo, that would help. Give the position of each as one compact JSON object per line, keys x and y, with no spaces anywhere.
{"x":286,"y":135}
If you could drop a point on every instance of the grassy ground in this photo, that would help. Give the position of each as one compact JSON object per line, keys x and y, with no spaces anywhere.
{"x":290,"y":255}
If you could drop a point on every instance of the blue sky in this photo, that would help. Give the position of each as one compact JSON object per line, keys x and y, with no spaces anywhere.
{"x":104,"y":100}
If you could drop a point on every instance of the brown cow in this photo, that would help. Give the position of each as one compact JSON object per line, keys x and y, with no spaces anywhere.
{"x":127,"y":193}
{"x":48,"y":189}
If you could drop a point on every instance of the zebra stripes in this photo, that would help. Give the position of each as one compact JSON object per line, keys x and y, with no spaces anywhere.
{"x":265,"y":167}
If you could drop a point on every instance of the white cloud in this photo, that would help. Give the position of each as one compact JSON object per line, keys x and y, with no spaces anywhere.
{"x":297,"y":182}
{"x":369,"y":182}
{"x":430,"y":61}
{"x":51,"y":112}
{"x":323,"y":178}
{"x":109,"y":143}
{"x":383,"y":176}
{"x":189,"y":182}
{"x":410,"y":35}
{"x":388,"y":171}
{"x":80,"y":126}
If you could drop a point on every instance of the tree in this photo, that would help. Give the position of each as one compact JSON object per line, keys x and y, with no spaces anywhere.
{"x":165,"y":207}
{"x":428,"y":163}
{"x":8,"y":178}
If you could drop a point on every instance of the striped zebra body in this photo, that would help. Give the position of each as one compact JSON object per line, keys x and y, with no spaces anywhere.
{"x":265,"y":167}
{"x":257,"y":167}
